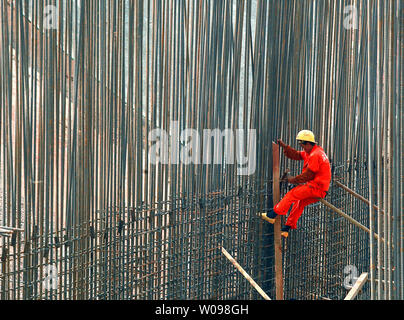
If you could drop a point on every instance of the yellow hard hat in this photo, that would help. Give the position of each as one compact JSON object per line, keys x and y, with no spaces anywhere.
{"x":306,"y":135}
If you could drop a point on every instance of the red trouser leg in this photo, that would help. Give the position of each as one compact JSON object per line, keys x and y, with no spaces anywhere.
{"x":297,"y":211}
{"x":300,"y":197}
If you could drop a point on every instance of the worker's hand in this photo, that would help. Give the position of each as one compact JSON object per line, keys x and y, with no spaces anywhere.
{"x":287,"y":178}
{"x":290,"y":179}
{"x":281,"y":143}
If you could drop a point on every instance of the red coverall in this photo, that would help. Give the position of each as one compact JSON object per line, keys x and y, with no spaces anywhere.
{"x":316,"y":172}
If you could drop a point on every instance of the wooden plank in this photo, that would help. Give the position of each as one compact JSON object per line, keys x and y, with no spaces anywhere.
{"x":277,"y":225}
{"x":357,"y":286}
{"x":245,"y":274}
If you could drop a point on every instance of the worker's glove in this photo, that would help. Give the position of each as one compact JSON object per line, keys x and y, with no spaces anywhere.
{"x":281,"y":143}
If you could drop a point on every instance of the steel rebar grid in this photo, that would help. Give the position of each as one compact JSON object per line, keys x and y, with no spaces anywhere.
{"x":79,"y":102}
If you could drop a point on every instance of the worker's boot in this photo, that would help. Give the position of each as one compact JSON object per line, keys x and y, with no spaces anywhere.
{"x":285,"y":231}
{"x":269,"y":216}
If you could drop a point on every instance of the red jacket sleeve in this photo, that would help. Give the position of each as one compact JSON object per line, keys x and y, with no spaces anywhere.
{"x":306,"y":176}
{"x":292,"y":153}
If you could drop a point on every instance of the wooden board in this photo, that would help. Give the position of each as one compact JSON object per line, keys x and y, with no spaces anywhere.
{"x":245,"y":274}
{"x":357,"y":286}
{"x":277,"y":225}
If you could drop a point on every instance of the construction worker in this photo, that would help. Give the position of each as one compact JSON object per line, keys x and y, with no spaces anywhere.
{"x":312,"y":183}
